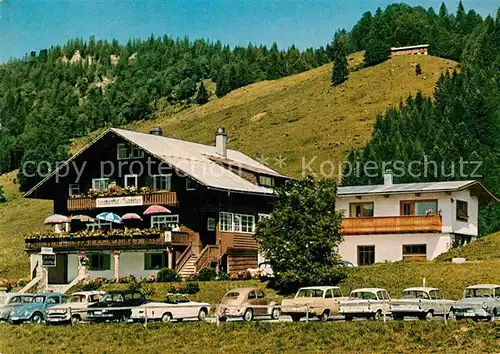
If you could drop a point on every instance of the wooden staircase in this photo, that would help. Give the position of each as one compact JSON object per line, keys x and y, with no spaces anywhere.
{"x":188,"y":268}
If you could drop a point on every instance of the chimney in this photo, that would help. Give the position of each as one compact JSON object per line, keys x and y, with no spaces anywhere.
{"x":221,"y":142}
{"x":156,"y":131}
{"x":388,"y":178}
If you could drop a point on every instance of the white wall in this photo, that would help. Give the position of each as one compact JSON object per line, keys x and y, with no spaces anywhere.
{"x":390,"y":206}
{"x":133,"y":263}
{"x":389,"y":247}
{"x":72,"y":266}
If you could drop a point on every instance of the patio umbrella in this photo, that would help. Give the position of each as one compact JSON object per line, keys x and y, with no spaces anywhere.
{"x":56,"y":219}
{"x":131,"y":216}
{"x":156,"y":209}
{"x":81,"y":218}
{"x":112,"y":217}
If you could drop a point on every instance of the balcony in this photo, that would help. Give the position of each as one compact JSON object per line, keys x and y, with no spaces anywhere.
{"x":118,"y":239}
{"x":391,"y":225}
{"x":234,"y":240}
{"x":147,"y":199}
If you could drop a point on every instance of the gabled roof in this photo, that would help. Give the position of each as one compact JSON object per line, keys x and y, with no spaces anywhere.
{"x":198,"y":161}
{"x":424,"y":187}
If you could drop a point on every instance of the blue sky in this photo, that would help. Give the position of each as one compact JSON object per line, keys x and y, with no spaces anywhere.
{"x":27,"y":25}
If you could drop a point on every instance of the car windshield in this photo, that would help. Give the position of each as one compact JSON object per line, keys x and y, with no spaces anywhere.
{"x":232,"y":295}
{"x":176,"y":299}
{"x":76,"y":298}
{"x":310,"y":293}
{"x":363,"y":295}
{"x":38,"y":299}
{"x":414,"y":294}
{"x":20,"y":299}
{"x":112,"y":297}
{"x":479,"y":292}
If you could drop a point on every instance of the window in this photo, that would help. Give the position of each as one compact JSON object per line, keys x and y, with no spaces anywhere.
{"x":99,"y":224}
{"x":421,"y":207}
{"x":190,"y":184}
{"x":244,"y":223}
{"x":329,"y":294}
{"x":128,"y":151}
{"x":100,"y":183}
{"x":53,"y":300}
{"x":252,"y":295}
{"x":226,"y":222}
{"x":415,"y":251}
{"x":260,"y":294}
{"x":131,"y":181}
{"x":73,"y":189}
{"x":164,"y":222}
{"x":154,"y":261}
{"x":263,"y":216}
{"x":366,"y":255}
{"x":360,"y":210}
{"x":337,"y":293}
{"x":266,"y":181}
{"x":100,"y":261}
{"x":162,"y":182}
{"x":435,"y":295}
{"x":462,"y":210}
{"x":211,"y":224}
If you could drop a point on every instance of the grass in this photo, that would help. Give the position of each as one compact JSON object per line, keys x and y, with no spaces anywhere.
{"x":354,"y":337}
{"x":296,"y":116}
{"x":485,"y":248}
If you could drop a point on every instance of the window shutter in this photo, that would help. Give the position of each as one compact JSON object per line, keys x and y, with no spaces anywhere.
{"x":106,"y":260}
{"x":147,"y":261}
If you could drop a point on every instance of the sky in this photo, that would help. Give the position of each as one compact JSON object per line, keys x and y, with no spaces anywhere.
{"x":27,"y":25}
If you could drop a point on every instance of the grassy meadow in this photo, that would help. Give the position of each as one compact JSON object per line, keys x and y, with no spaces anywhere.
{"x":313,"y":337}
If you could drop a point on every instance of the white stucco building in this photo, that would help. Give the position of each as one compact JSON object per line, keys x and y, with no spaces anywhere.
{"x":392,"y":222}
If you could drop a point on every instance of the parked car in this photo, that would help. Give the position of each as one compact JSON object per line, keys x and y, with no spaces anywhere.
{"x":176,"y":306}
{"x":78,"y":301}
{"x":110,"y":306}
{"x":36,"y":310}
{"x":479,"y":302}
{"x":11,"y":301}
{"x":315,"y":301}
{"x":366,"y":303}
{"x":241,"y":302}
{"x":420,"y":302}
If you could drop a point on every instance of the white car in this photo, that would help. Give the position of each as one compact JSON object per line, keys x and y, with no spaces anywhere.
{"x":176,"y":307}
{"x":367,"y":303}
{"x":68,"y":312}
{"x":421,"y":302}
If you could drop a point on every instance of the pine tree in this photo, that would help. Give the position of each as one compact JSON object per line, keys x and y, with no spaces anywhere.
{"x":202,"y":94}
{"x":418,"y":69}
{"x":340,"y":66}
{"x":2,"y":196}
{"x":377,"y":48}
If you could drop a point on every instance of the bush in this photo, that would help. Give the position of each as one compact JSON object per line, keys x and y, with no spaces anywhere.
{"x":166,"y":275}
{"x":2,"y":196}
{"x":222,"y":276}
{"x":207,"y":274}
{"x":418,"y":69}
{"x":189,"y":288}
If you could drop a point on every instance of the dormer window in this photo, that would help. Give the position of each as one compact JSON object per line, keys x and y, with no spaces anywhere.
{"x":128,"y":151}
{"x":266,"y":181}
{"x":462,"y":210}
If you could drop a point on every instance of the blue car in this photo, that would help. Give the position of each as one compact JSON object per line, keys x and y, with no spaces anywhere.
{"x":36,"y":310}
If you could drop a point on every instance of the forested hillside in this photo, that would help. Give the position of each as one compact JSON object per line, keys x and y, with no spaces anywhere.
{"x":54,"y":95}
{"x":451,"y":135}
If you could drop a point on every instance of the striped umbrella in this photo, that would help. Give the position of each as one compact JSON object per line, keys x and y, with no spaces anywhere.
{"x":81,"y":218}
{"x":156,"y":209}
{"x":56,"y":219}
{"x":112,"y":217}
{"x":131,"y":216}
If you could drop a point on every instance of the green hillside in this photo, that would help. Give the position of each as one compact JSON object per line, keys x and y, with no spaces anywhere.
{"x":300,"y":115}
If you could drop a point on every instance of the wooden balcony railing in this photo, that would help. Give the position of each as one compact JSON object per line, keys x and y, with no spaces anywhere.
{"x":241,"y":241}
{"x":390,"y":225}
{"x":159,"y":198}
{"x":210,"y":253}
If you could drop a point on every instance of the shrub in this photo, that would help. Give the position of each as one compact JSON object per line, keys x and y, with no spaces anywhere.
{"x":192,"y":288}
{"x":418,"y":69}
{"x":223,"y":276}
{"x":166,"y":275}
{"x":2,"y":196}
{"x":207,"y":274}
{"x":127,"y":279}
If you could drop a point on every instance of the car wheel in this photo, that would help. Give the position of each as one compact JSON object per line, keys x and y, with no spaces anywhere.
{"x":202,"y":315}
{"x":248,"y":316}
{"x":324,"y":316}
{"x":429,"y":315}
{"x":377,"y":316}
{"x":296,"y":318}
{"x":167,"y":317}
{"x":222,"y":319}
{"x":75,"y":320}
{"x":36,"y":318}
{"x":275,"y":314}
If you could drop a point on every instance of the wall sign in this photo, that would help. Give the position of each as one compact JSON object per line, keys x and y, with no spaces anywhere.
{"x":119,"y":201}
{"x":48,"y":260}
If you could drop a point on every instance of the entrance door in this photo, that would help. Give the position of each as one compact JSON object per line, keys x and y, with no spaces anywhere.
{"x":59,"y":273}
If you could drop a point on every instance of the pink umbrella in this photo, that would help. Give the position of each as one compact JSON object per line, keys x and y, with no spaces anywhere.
{"x":131,"y":216}
{"x":156,"y":209}
{"x":56,"y":219}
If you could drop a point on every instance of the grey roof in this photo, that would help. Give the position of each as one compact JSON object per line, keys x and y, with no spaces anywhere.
{"x":193,"y":159}
{"x":424,"y":187}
